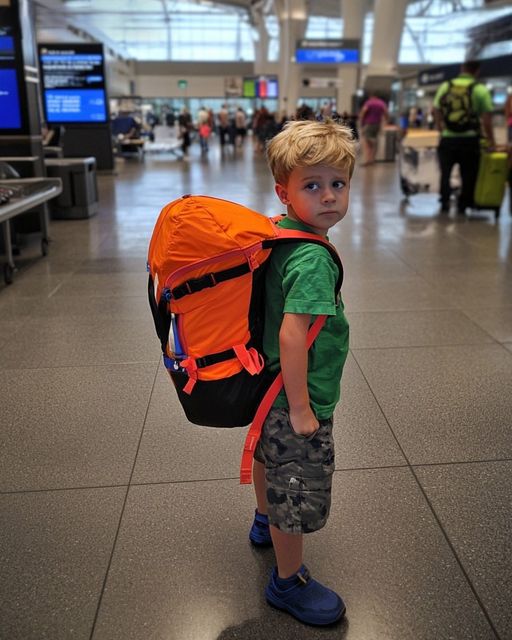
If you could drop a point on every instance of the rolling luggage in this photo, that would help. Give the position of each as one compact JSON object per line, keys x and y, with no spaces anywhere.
{"x":491,"y":181}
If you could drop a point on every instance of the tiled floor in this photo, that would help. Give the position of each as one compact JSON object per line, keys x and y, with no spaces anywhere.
{"x":120,"y":520}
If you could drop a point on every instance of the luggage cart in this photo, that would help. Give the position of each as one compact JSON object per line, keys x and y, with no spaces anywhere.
{"x":419,"y":165}
{"x":27,"y":193}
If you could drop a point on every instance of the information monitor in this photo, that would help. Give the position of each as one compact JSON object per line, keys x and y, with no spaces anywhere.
{"x":73,"y":79}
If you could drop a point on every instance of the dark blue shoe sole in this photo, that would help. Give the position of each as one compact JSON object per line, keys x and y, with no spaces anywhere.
{"x":281,"y":607}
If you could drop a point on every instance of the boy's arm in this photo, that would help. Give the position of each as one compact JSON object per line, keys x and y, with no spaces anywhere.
{"x":294,"y":366}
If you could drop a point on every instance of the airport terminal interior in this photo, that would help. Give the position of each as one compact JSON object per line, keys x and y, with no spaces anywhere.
{"x":121,"y":520}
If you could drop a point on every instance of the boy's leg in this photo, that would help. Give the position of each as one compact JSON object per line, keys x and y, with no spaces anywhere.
{"x":258,"y":476}
{"x":289,"y":550}
{"x":259,"y":535}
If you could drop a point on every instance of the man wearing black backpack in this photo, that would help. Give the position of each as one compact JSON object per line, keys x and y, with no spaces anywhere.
{"x":463,"y":109}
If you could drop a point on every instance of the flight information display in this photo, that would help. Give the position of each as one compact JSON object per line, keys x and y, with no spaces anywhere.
{"x":9,"y":100}
{"x":10,"y":107}
{"x":260,"y":87}
{"x":73,"y":83}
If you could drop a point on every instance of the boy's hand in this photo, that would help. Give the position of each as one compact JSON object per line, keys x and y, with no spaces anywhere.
{"x":304,"y":423}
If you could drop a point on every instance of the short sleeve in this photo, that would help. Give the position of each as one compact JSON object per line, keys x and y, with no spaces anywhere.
{"x":483,"y":99}
{"x":439,"y":94}
{"x":309,"y":281}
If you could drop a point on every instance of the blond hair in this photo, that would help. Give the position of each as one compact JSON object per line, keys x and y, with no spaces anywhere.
{"x":304,"y":143}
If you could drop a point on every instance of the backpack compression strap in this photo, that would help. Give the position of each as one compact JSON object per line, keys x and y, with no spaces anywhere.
{"x":254,"y":433}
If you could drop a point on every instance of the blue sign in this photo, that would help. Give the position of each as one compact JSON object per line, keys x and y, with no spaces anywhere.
{"x":75,"y":105}
{"x":327,"y":56}
{"x":9,"y":100}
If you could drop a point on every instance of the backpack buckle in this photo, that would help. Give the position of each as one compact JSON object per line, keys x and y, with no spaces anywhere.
{"x":194,"y":285}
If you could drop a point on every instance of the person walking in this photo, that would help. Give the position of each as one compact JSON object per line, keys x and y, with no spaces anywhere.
{"x":372,"y":113}
{"x":463,"y":111}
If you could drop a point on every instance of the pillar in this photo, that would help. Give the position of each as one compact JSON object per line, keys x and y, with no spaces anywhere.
{"x":349,"y":75}
{"x":292,"y":26}
{"x":389,"y":17}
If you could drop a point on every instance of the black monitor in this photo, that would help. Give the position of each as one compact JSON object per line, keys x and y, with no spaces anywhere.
{"x":73,"y":81}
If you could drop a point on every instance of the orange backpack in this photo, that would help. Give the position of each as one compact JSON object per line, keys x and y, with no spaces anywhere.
{"x":207,"y":260}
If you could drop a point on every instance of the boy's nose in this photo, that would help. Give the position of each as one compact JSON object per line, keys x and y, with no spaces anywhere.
{"x":328,"y":195}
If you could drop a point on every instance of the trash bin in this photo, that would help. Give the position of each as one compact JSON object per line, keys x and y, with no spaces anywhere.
{"x":79,"y":197}
{"x":387,"y":144}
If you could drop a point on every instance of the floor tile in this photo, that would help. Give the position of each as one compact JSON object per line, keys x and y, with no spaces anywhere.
{"x":55,"y":548}
{"x":113,"y":265}
{"x":444,"y":404}
{"x":361,"y":434}
{"x":413,"y":329}
{"x":72,"y":427}
{"x":183,"y":568}
{"x":496,"y":321}
{"x":174,"y":449}
{"x":474,"y":505}
{"x":402,"y":294}
{"x":101,"y":284}
{"x":77,"y":309}
{"x":56,"y":342}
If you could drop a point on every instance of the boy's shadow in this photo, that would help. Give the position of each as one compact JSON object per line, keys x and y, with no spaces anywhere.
{"x":280,"y":626}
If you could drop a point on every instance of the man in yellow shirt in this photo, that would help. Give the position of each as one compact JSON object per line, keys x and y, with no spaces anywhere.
{"x":463,"y":111}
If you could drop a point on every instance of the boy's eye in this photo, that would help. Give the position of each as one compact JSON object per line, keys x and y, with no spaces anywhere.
{"x":338,"y":184}
{"x":311,"y":186}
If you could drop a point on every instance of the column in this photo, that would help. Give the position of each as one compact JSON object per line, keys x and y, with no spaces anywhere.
{"x":348,"y":75}
{"x":292,"y":25}
{"x":389,"y":17}
{"x":261,"y":46}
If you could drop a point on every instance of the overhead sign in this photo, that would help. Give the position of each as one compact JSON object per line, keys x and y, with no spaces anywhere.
{"x":438,"y":74}
{"x":325,"y":51}
{"x":325,"y":83}
{"x":182,"y":84}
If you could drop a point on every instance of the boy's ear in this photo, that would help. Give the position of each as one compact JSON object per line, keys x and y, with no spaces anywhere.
{"x":282,"y":193}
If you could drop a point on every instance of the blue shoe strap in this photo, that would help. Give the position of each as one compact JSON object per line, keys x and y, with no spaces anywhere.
{"x":301,"y":577}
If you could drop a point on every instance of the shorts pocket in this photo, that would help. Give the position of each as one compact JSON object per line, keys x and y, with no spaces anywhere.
{"x":298,"y":505}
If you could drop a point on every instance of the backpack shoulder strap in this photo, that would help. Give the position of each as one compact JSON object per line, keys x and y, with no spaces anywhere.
{"x":254,"y":432}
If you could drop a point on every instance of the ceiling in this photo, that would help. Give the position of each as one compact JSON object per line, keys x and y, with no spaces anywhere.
{"x":153,"y":29}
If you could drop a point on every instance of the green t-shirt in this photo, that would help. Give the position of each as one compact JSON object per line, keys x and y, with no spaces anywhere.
{"x":480,"y":99}
{"x":300,"y":279}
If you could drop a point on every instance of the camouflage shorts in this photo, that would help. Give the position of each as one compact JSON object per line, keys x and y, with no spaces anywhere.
{"x":298,"y":473}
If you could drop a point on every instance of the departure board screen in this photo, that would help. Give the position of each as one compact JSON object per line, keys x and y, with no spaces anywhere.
{"x":260,"y":87}
{"x":10,"y":106}
{"x":73,"y":83}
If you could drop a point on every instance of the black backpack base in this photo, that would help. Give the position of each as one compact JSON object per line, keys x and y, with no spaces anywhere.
{"x":241,"y":395}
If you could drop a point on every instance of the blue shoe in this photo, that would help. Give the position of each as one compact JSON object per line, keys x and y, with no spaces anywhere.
{"x":305,"y":598}
{"x":259,"y":535}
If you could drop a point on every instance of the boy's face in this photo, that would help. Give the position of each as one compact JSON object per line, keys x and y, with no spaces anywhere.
{"x":316,"y":196}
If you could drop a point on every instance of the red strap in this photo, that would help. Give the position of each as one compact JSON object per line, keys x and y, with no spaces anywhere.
{"x":190,"y":365}
{"x":250,"y":359}
{"x":254,"y":432}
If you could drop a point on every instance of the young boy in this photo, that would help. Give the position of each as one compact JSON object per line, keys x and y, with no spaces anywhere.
{"x":312,"y":163}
